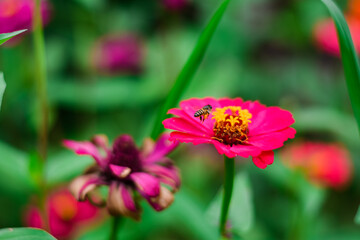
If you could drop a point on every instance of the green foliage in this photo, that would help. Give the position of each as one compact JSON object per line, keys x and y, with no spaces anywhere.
{"x":241,"y":213}
{"x":2,"y":87}
{"x":189,"y":69}
{"x":24,"y":234}
{"x":348,"y":56}
{"x":7,"y":36}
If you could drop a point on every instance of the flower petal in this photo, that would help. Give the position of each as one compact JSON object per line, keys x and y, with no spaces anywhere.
{"x":167,"y":175}
{"x":272,"y":140}
{"x":162,"y":201}
{"x":264,"y":159}
{"x":121,"y":202}
{"x":224,"y":102}
{"x":270,"y":120}
{"x":84,"y":184}
{"x":191,"y":119}
{"x":245,"y":151}
{"x":184,"y":137}
{"x":102,"y":141}
{"x":182,"y":125}
{"x":223,"y":149}
{"x":146,"y":184}
{"x":119,"y":171}
{"x":85,"y":148}
{"x":162,"y":147}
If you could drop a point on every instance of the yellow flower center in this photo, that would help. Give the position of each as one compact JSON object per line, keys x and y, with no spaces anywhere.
{"x":231,"y":124}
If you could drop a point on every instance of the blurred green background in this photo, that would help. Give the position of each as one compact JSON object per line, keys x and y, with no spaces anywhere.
{"x":262,"y":50}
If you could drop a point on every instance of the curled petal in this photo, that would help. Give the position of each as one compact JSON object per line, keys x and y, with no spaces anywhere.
{"x":162,"y":201}
{"x":167,"y":175}
{"x":264,"y":159}
{"x":147,"y":147}
{"x":146,"y":184}
{"x":84,"y":184}
{"x":102,"y":141}
{"x":121,"y":202}
{"x":119,"y":171}
{"x":84,"y":148}
{"x":163,"y":146}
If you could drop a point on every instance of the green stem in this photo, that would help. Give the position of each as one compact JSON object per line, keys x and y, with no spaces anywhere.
{"x":115,"y":228}
{"x":228,"y":189}
{"x":40,"y":78}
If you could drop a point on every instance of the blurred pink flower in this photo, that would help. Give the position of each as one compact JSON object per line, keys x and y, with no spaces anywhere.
{"x":129,"y":173}
{"x":175,"y":5}
{"x":18,"y":14}
{"x":325,"y":34}
{"x":65,"y":214}
{"x":325,"y":164}
{"x":235,"y":128}
{"x":118,"y":54}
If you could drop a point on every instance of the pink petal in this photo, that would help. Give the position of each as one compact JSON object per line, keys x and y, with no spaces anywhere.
{"x":270,"y":120}
{"x":192,"y":120}
{"x":162,"y":201}
{"x":102,"y":141}
{"x":182,"y":125}
{"x":264,"y":159}
{"x":223,"y":149}
{"x":85,"y":148}
{"x":84,"y":184}
{"x":33,"y":218}
{"x":224,"y":102}
{"x":272,"y":140}
{"x":184,"y":137}
{"x":167,"y":175}
{"x":245,"y":150}
{"x":147,"y":184}
{"x":121,"y":202}
{"x":253,"y":107}
{"x":119,"y":171}
{"x":162,"y":148}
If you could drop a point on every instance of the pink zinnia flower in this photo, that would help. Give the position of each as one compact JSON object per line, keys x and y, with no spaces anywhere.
{"x":129,"y":172}
{"x":65,"y":214}
{"x":118,"y":54}
{"x":18,"y":14}
{"x":235,"y":127}
{"x":325,"y":164}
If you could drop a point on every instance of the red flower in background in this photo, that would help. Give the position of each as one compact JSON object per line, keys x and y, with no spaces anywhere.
{"x":324,"y":164}
{"x":65,"y":214}
{"x":235,"y":127}
{"x":118,"y":54}
{"x":325,"y":34}
{"x":18,"y":14}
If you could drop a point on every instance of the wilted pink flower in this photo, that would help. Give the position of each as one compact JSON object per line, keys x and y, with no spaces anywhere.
{"x":175,"y":5}
{"x":65,"y":214}
{"x":18,"y":14}
{"x":326,"y":164}
{"x":129,"y":172}
{"x":235,"y":128}
{"x":118,"y":54}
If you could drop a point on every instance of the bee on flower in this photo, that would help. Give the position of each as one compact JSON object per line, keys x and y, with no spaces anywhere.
{"x":235,"y":127}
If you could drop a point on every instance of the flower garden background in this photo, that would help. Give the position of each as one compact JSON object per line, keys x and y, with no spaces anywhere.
{"x":100,"y":136}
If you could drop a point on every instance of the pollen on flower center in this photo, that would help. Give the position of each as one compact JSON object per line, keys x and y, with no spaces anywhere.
{"x":231,"y":125}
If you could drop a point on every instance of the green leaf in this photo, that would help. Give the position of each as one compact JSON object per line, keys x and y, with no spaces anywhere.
{"x":24,"y":234}
{"x":2,"y":87}
{"x":357,"y":217}
{"x":7,"y":36}
{"x":348,"y":56}
{"x":241,"y":212}
{"x":189,"y":69}
{"x":14,"y":170}
{"x":64,"y":166}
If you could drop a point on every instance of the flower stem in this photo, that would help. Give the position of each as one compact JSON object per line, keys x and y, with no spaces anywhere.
{"x":40,"y":78}
{"x":228,"y":189}
{"x":114,"y":228}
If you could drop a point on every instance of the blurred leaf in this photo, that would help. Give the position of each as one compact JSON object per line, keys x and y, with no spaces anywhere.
{"x":329,"y":120}
{"x":348,"y":56}
{"x":25,"y":234}
{"x":241,"y":212}
{"x":14,"y":170}
{"x":64,"y":166}
{"x":2,"y":87}
{"x":7,"y":36}
{"x":357,"y":217}
{"x":189,"y":69}
{"x":36,"y":168}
